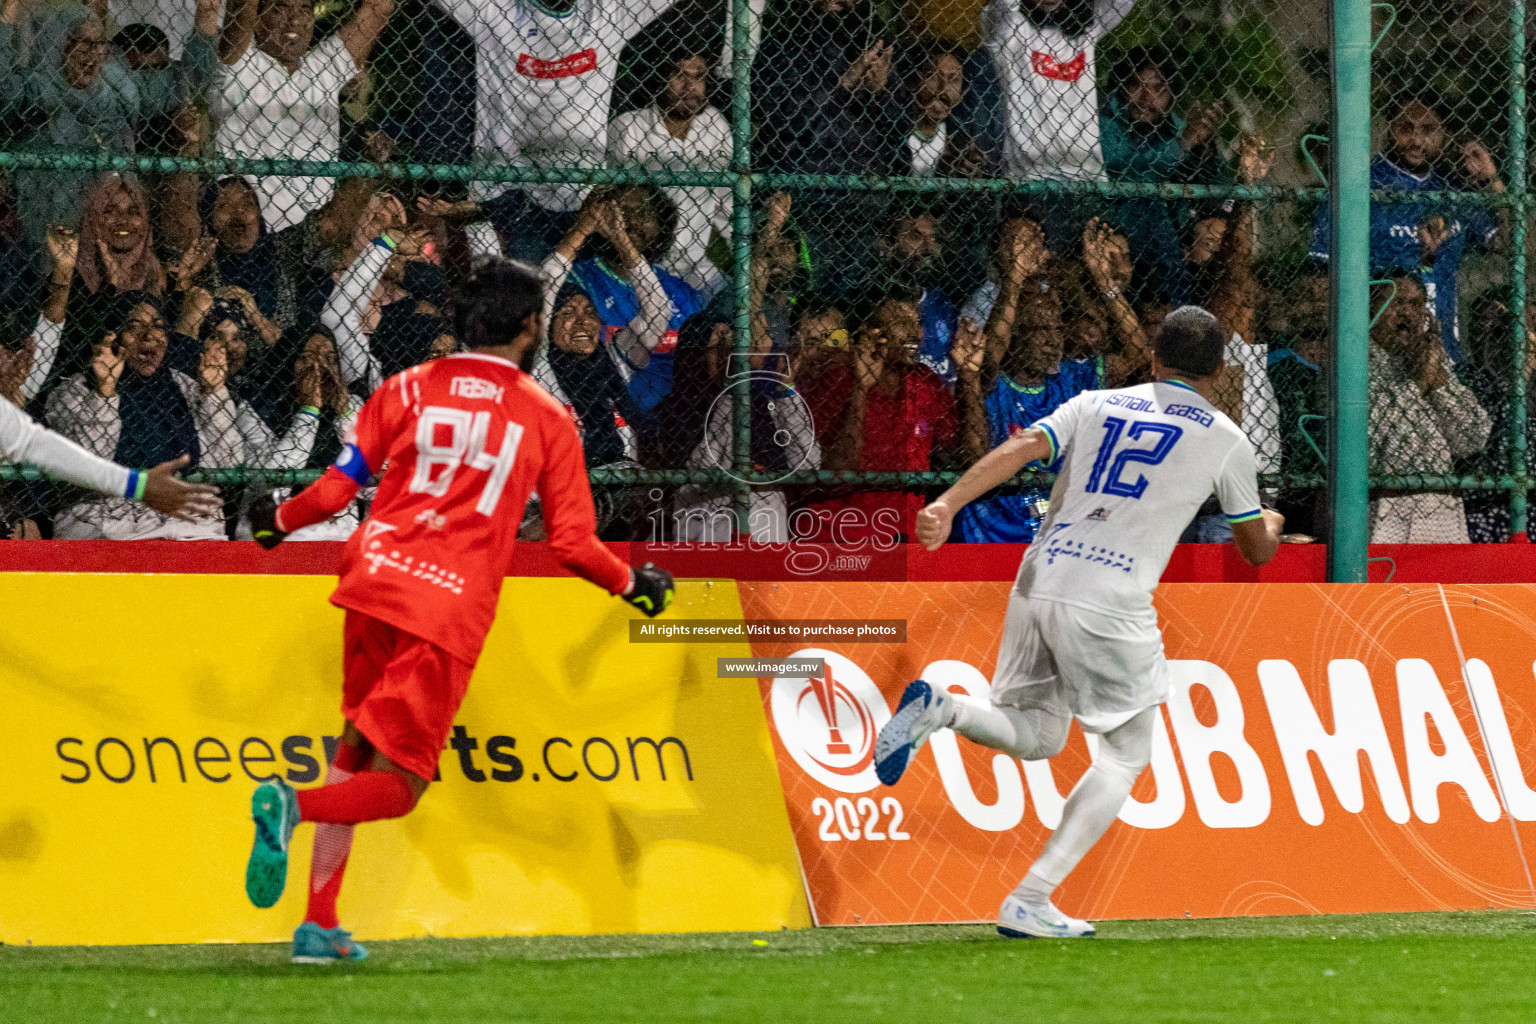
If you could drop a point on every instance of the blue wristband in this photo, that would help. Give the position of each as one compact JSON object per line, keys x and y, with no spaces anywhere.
{"x":386,"y":242}
{"x":137,"y":481}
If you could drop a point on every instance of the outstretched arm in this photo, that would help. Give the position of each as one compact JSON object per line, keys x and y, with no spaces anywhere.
{"x":994,"y":469}
{"x":570,"y":522}
{"x":23,"y":440}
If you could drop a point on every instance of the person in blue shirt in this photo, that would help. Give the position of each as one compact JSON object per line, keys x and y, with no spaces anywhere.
{"x":646,"y":226}
{"x":909,"y":259}
{"x":1427,"y":238}
{"x":1029,"y":381}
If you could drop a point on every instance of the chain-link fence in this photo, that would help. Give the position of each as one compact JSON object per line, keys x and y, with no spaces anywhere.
{"x":804,"y":260}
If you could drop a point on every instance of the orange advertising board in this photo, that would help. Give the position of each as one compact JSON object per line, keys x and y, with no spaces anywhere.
{"x":1327,"y":749}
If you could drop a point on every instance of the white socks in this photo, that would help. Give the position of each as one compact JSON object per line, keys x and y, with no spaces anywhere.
{"x":1092,"y":806}
{"x":1031,"y":734}
{"x":1034,"y":892}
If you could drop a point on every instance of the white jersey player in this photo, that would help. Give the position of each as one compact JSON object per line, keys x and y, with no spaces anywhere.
{"x":1080,"y":639}
{"x":23,"y":441}
{"x":545,"y":74}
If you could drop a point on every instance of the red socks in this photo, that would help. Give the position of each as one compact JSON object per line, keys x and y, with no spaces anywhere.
{"x":366,"y":796}
{"x":350,"y":795}
{"x":333,"y":844}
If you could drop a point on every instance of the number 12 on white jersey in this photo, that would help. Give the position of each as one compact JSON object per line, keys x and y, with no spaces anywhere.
{"x":468,"y":433}
{"x":1108,"y":459}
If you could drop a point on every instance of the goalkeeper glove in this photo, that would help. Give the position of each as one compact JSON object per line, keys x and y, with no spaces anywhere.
{"x":652,"y":590}
{"x":263,"y":519}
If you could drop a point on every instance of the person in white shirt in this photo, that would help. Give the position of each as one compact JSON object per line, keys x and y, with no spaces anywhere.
{"x":681,"y":131}
{"x":281,"y":98}
{"x":1044,"y":51}
{"x":545,"y":75}
{"x":1081,"y":638}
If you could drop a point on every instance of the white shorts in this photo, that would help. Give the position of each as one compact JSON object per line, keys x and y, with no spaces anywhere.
{"x":1101,"y":669}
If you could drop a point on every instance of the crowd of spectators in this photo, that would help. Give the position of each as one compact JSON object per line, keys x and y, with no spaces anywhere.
{"x":243,"y":320}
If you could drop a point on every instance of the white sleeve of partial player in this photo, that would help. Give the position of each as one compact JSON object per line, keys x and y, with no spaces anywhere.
{"x":1061,"y":425}
{"x":46,"y":335}
{"x":343,"y":314}
{"x":1237,"y":486}
{"x":23,"y":440}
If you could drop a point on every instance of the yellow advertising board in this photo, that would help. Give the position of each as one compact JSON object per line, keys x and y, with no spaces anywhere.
{"x":591,"y":785}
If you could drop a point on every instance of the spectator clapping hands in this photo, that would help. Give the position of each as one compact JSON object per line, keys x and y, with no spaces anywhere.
{"x":1027,"y":254}
{"x":1107,"y":256}
{"x":611,"y":225}
{"x":63,"y":250}
{"x":968,"y":349}
{"x":107,"y":365}
{"x":870,"y":71}
{"x":1255,"y":159}
{"x":269,"y":331}
{"x":213,"y":367}
{"x":193,"y":262}
{"x":869,"y":358}
{"x":1205,"y":120}
{"x":1479,"y":167}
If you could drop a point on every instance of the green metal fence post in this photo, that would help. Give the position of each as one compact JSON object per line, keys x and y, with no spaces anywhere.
{"x":1517,"y":189}
{"x":1349,"y":272}
{"x":741,"y":241}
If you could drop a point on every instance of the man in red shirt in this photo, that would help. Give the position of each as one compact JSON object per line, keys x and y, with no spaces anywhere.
{"x":461,"y":443}
{"x":882,"y":411}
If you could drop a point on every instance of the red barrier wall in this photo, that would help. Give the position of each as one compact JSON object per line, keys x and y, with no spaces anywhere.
{"x":1192,"y":563}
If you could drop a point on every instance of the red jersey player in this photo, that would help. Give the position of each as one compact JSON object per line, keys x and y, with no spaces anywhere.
{"x":460,"y":443}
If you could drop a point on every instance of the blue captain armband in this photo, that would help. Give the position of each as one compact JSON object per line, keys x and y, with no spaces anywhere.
{"x":352,"y":463}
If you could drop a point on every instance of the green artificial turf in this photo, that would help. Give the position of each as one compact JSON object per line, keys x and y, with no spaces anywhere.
{"x":1401,"y":967}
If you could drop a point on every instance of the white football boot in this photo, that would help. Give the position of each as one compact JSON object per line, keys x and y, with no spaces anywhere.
{"x":1019,"y":920}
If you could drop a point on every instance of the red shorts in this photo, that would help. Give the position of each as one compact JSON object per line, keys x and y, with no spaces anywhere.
{"x":401,"y":692}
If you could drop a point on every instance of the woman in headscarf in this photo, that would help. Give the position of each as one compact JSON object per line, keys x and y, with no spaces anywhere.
{"x":131,"y":405}
{"x":276,"y":412}
{"x":115,"y":256}
{"x":583,"y":374}
{"x":244,"y":255}
{"x":306,"y":397}
{"x":117,"y":250}
{"x":78,"y":97}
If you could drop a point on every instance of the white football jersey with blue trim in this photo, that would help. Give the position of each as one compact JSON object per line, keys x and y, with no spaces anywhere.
{"x":1138,"y":464}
